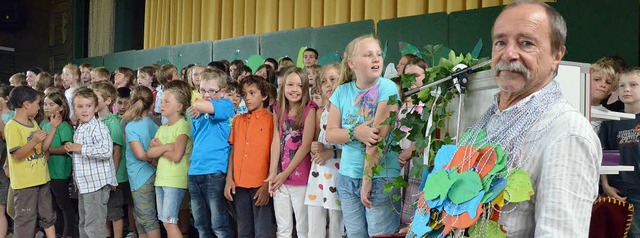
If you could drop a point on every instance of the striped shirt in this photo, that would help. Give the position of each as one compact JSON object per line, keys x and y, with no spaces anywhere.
{"x":564,"y":156}
{"x":93,"y":167}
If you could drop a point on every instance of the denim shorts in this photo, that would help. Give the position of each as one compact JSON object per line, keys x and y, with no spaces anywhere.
{"x":169,"y":200}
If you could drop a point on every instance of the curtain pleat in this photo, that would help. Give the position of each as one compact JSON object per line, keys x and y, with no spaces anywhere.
{"x":101,"y":27}
{"x":170,"y":22}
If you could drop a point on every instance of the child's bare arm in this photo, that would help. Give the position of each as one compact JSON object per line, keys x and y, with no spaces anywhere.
{"x":156,"y":148}
{"x":138,"y":151}
{"x":176,"y":150}
{"x":55,"y":121}
{"x":203,"y":106}
{"x":117,"y":152}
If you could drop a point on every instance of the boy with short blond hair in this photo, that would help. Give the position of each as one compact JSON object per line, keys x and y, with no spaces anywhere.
{"x":623,"y":136}
{"x":93,"y":167}
{"x":211,"y":126}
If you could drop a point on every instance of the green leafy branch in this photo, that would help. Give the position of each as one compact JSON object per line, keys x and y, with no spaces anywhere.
{"x":413,"y":119}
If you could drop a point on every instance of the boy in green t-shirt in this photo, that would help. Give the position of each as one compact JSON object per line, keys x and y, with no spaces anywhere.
{"x":28,"y":169}
{"x":106,"y":93}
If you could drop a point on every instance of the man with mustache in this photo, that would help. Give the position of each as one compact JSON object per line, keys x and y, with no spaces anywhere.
{"x":542,"y":133}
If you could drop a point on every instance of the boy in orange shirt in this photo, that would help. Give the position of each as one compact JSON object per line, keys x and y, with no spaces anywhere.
{"x":251,"y":137}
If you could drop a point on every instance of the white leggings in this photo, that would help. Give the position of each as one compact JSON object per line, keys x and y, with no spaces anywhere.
{"x":290,"y":199}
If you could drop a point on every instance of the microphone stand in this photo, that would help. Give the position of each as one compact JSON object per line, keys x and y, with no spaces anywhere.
{"x":460,"y":79}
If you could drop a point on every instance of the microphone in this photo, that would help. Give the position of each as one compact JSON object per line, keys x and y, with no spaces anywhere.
{"x":460,"y":75}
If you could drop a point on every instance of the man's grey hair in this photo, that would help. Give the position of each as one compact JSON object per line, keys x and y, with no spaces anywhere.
{"x":556,"y":22}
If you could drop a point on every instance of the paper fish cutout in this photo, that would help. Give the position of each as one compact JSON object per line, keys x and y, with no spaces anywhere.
{"x":496,"y":187}
{"x":437,"y":185}
{"x":468,"y":206}
{"x":461,"y":221}
{"x":443,"y":157}
{"x":487,"y":229}
{"x":419,"y":226}
{"x":465,"y":186}
{"x":464,"y":158}
{"x":519,"y":188}
{"x":486,"y":161}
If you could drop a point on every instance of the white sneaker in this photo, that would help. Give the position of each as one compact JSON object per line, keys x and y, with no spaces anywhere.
{"x":132,"y":235}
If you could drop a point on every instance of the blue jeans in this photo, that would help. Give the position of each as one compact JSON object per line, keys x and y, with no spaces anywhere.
{"x":634,"y":231}
{"x":208,"y":204}
{"x":382,"y":218}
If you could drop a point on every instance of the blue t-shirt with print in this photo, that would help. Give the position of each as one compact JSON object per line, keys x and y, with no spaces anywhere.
{"x":142,"y":131}
{"x":211,"y":139}
{"x":358,"y":106}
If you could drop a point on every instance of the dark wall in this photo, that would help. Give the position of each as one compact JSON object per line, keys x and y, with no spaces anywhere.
{"x":43,"y":40}
{"x":129,"y":25}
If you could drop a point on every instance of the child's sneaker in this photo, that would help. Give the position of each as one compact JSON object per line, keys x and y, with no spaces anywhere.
{"x":132,"y":235}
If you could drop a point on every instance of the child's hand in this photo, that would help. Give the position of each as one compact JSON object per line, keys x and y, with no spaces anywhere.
{"x":39,"y":136}
{"x":365,"y":191}
{"x":367,"y":134}
{"x":55,"y":120}
{"x":276,"y":182}
{"x":262,"y":196}
{"x":613,"y":192}
{"x":229,"y":189}
{"x":72,"y":147}
{"x":155,"y":142}
{"x":404,"y":157}
{"x":193,"y":112}
{"x":316,"y":147}
{"x":320,"y":158}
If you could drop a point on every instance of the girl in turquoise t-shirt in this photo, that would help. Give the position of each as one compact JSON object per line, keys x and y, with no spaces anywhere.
{"x":59,"y":161}
{"x":358,"y":107}
{"x":138,"y":132}
{"x":172,"y":144}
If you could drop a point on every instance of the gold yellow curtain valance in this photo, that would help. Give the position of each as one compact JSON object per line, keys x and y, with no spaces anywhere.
{"x":171,"y":22}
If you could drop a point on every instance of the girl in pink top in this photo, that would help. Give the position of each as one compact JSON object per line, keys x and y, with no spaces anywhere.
{"x":290,"y":159}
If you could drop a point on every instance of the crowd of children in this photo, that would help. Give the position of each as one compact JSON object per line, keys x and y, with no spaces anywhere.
{"x":228,"y":152}
{"x":231,"y":153}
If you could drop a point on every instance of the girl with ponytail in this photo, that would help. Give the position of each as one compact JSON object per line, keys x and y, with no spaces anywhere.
{"x":141,"y":170}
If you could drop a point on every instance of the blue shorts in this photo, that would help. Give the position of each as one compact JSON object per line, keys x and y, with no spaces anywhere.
{"x":168,"y":200}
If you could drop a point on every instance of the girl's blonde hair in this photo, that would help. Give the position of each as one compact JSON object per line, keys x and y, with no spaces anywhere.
{"x":346,"y":74}
{"x":191,"y":72}
{"x":182,"y":92}
{"x":74,"y":70}
{"x":20,"y":79}
{"x":141,"y":101}
{"x":607,"y":71}
{"x":325,"y":69}
{"x":283,"y":104}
